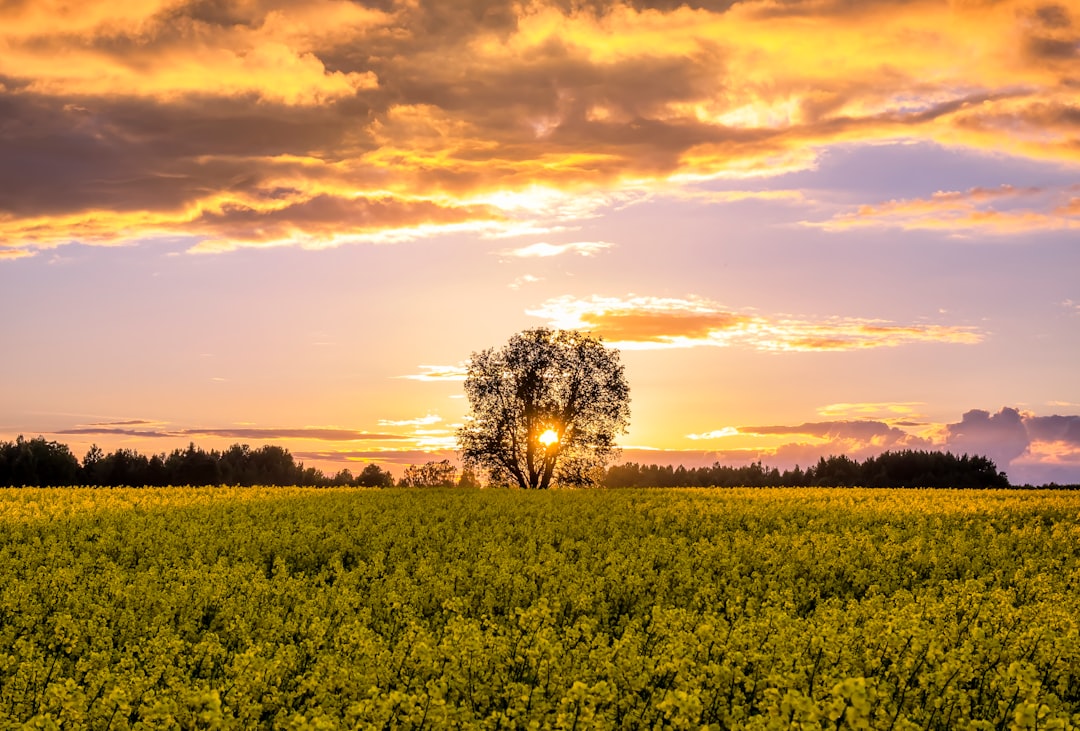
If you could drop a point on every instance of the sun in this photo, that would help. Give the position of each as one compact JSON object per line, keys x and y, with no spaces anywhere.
{"x":549,"y":437}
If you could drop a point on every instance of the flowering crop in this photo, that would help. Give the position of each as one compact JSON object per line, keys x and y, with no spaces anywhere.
{"x":296,"y":608}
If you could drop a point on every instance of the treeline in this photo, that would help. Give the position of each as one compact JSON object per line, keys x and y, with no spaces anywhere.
{"x":41,"y":463}
{"x":907,"y":468}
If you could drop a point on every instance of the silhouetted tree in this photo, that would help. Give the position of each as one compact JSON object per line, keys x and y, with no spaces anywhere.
{"x":90,"y":472}
{"x":889,"y":469}
{"x":431,"y":474}
{"x":468,"y":478}
{"x":193,"y":466}
{"x":374,"y":476}
{"x":274,"y":465}
{"x":546,"y":406}
{"x":123,"y":467}
{"x":37,"y":463}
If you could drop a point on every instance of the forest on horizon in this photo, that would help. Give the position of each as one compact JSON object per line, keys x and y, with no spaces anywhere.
{"x":39,"y":462}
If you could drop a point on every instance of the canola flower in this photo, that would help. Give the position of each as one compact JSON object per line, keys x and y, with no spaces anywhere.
{"x":295,"y":608}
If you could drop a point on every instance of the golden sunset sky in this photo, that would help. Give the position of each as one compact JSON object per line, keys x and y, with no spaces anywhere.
{"x":812,"y":227}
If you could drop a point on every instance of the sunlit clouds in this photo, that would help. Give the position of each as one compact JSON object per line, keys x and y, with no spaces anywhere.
{"x":317,"y":123}
{"x":168,"y":51}
{"x":419,"y":421}
{"x":544,"y":249}
{"x":886,"y":411}
{"x":438,"y":373}
{"x":996,"y":211}
{"x":642,"y":323}
{"x":727,"y":431}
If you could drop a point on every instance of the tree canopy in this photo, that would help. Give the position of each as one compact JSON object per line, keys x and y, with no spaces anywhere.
{"x":40,"y":463}
{"x":546,"y":407}
{"x":908,"y":468}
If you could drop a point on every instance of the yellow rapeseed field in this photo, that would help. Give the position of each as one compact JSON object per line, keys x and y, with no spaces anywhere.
{"x":292,"y":608}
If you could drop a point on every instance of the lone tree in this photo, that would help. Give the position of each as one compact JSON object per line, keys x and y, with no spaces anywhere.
{"x":546,"y":406}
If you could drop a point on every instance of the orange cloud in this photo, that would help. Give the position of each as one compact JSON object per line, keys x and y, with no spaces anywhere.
{"x":652,"y":322}
{"x":968,"y":211}
{"x":128,"y":121}
{"x":167,"y":51}
{"x":888,"y":411}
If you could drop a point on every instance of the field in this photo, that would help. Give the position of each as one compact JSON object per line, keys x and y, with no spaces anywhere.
{"x":320,"y":609}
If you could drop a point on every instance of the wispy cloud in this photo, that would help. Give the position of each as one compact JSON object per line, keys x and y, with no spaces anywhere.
{"x":125,"y":422}
{"x":886,"y":410}
{"x":438,"y":373}
{"x":385,"y":456}
{"x":302,"y":433}
{"x":727,"y":431}
{"x":420,"y":421}
{"x":581,"y":248}
{"x":1000,"y":211}
{"x":523,"y":280}
{"x":655,"y":322}
{"x":6,"y":253}
{"x":875,"y":432}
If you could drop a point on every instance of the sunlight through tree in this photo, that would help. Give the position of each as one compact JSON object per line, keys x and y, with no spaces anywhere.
{"x":546,"y":408}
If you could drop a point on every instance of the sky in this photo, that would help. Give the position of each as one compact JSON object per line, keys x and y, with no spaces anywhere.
{"x":810,"y":227}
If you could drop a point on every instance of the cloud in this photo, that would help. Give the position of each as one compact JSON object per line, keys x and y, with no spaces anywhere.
{"x":125,"y":422}
{"x":6,"y":253}
{"x":317,"y":222}
{"x":888,"y":409}
{"x":727,"y":431}
{"x":167,"y":51}
{"x":314,"y":433}
{"x":582,"y":248}
{"x":1002,"y":436}
{"x":1054,"y":429}
{"x":1030,"y":448}
{"x":977,"y":209}
{"x":386,"y":456}
{"x":523,"y":280}
{"x":654,"y":322}
{"x":877,"y":432}
{"x":438,"y":373}
{"x":421,"y":421}
{"x":118,"y":431}
{"x":738,"y":196}
{"x":247,"y":124}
